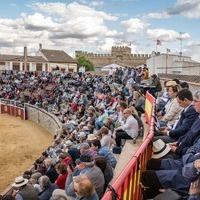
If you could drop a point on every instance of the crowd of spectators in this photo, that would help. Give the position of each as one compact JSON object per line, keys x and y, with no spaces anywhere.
{"x":95,"y":113}
{"x":175,"y":163}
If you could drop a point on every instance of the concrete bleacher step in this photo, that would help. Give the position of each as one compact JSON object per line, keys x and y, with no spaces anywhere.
{"x":127,"y":153}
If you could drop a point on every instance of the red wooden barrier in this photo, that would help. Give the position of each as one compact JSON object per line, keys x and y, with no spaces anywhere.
{"x":127,"y":185}
{"x":10,"y":108}
{"x":5,"y":108}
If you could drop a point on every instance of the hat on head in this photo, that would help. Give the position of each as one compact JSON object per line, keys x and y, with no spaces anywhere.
{"x":91,"y":137}
{"x":68,"y":143}
{"x":20,"y":181}
{"x":85,"y":128}
{"x":160,"y":149}
{"x":171,"y":83}
{"x":82,"y":134}
{"x":59,"y":193}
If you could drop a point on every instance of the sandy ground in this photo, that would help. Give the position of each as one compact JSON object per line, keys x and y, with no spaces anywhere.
{"x":21,"y":143}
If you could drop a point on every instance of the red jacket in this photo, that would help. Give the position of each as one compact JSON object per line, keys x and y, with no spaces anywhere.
{"x":60,"y":181}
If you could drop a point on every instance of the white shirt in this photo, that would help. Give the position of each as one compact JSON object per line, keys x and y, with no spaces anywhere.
{"x":130,"y":126}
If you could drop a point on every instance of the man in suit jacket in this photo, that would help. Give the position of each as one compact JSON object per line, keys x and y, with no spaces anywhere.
{"x":171,"y":173}
{"x":186,"y":119}
{"x":51,"y":171}
{"x":168,"y":173}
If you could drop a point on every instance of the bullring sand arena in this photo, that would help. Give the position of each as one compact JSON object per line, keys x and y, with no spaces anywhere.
{"x":21,"y":143}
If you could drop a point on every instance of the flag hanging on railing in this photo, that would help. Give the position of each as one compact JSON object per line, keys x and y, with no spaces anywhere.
{"x":158,"y":42}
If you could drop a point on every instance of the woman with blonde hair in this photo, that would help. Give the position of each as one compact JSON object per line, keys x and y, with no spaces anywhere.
{"x":136,"y":116}
{"x":84,"y":188}
{"x":172,"y":108}
{"x":139,"y":102}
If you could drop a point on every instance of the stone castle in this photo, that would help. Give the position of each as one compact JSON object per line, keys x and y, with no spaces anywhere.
{"x":120,"y":55}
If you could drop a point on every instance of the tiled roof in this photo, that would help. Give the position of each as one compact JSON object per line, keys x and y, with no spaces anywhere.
{"x":57,"y":56}
{"x":187,"y":78}
{"x":18,"y":58}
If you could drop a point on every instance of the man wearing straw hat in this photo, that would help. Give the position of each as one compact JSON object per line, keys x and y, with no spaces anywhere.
{"x":168,"y":173}
{"x":22,"y":188}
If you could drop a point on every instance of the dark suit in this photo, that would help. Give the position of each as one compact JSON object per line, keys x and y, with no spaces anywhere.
{"x":189,"y":139}
{"x":185,"y":122}
{"x":47,"y":192}
{"x":52,"y":174}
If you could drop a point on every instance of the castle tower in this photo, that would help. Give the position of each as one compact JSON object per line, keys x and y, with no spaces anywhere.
{"x":119,"y":54}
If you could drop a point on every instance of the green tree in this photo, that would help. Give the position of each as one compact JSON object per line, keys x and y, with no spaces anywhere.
{"x":82,"y":61}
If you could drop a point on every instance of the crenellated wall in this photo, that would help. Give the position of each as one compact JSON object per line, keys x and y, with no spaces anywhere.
{"x":119,"y":54}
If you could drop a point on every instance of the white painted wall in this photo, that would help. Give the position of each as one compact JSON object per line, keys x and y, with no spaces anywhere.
{"x":66,"y":66}
{"x":172,"y":64}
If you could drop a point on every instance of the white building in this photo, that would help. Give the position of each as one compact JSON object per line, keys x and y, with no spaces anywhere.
{"x":172,"y":64}
{"x":57,"y":59}
{"x":45,"y":60}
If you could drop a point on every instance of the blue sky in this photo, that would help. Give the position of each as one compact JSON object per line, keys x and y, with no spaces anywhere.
{"x":96,"y":26}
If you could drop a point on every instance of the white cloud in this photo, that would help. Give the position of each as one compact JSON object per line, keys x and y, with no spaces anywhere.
{"x":187,"y":8}
{"x":193,"y":49}
{"x":50,"y":8}
{"x":134,"y":25}
{"x":165,"y":35}
{"x":155,"y":15}
{"x":97,"y":3}
{"x":71,"y":11}
{"x":106,"y":45}
{"x":114,"y":33}
{"x":57,"y":25}
{"x":75,"y":20}
{"x":37,"y":22}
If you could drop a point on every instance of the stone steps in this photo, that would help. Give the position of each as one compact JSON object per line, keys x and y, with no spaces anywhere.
{"x":128,"y":151}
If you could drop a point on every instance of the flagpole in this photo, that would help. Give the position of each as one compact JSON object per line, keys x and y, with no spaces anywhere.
{"x":156,"y":46}
{"x":166,"y":62}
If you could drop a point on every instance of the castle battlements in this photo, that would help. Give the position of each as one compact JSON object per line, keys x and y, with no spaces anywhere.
{"x":119,"y":54}
{"x":86,"y":54}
